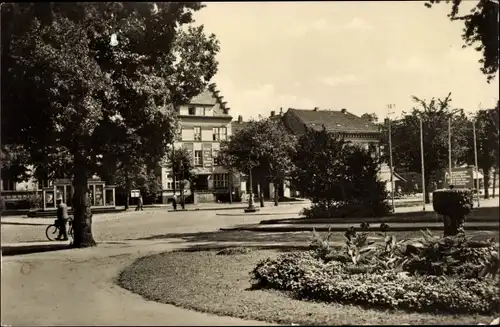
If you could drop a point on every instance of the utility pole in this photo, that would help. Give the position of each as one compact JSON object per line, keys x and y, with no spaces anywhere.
{"x":422,"y":160}
{"x":449,"y":150}
{"x":390,"y":107}
{"x":475,"y":161}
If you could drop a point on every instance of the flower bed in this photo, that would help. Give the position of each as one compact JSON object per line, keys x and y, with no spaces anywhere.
{"x":450,"y":275}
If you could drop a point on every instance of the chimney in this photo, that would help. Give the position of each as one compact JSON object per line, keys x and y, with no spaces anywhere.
{"x":316,"y":108}
{"x":273,"y":113}
{"x":240,"y":119}
{"x":344,"y":110}
{"x":281,"y":111}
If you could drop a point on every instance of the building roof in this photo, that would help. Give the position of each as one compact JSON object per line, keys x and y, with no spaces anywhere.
{"x":237,"y":125}
{"x":334,"y":121}
{"x":210,"y":96}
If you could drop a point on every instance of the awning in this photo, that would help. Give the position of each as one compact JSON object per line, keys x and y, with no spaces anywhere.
{"x":386,"y":176}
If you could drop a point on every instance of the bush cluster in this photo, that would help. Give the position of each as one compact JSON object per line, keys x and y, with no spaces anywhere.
{"x":452,"y":202}
{"x":394,"y":276}
{"x":343,"y":210}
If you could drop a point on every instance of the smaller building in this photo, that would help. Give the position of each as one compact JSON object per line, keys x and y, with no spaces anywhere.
{"x":353,"y":128}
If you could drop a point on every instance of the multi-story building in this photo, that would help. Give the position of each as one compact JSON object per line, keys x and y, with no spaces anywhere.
{"x":204,"y":123}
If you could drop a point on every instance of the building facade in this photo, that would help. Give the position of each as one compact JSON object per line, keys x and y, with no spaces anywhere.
{"x":204,"y":123}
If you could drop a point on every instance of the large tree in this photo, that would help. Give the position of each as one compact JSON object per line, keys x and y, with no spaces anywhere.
{"x":486,"y":142}
{"x":180,"y":160}
{"x":81,"y":78}
{"x":262,"y":146}
{"x":340,"y":178}
{"x":480,"y":31}
{"x":434,"y":114}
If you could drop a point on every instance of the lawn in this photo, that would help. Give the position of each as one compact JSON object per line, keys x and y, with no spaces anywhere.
{"x":220,"y":284}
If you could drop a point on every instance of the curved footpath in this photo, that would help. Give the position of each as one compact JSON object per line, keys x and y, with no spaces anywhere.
{"x":76,"y":287}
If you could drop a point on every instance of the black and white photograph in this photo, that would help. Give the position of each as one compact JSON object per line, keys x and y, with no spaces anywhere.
{"x":250,"y":163}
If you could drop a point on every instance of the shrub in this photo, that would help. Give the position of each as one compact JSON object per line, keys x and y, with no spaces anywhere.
{"x":343,"y":210}
{"x":452,"y":202}
{"x":309,"y":278}
{"x":234,"y":251}
{"x":453,"y":255}
{"x":454,"y":205}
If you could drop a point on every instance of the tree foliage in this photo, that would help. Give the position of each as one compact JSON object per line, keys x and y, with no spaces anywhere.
{"x":181,"y":160}
{"x":87,"y":84}
{"x":264,"y":146}
{"x":487,"y":143}
{"x":372,"y":118}
{"x":340,"y":178}
{"x":434,"y":114}
{"x":480,"y":31}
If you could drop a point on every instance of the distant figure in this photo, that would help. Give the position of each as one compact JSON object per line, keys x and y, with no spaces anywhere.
{"x":174,"y":202}
{"x":139,"y":204}
{"x":62,"y":218}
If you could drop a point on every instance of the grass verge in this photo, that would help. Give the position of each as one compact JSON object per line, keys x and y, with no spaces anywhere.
{"x":219,"y":284}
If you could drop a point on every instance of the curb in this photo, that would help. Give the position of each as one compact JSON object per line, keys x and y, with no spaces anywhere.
{"x":254,"y":214}
{"x":333,"y":228}
{"x":233,"y":208}
{"x":11,"y":250}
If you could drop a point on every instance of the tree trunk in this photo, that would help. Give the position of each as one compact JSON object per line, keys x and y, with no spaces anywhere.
{"x":427,"y":191}
{"x":486,"y":181}
{"x":261,"y":193}
{"x":276,"y":194}
{"x":82,"y":223}
{"x":230,"y":182}
{"x":494,"y":181}
{"x":127,"y":189}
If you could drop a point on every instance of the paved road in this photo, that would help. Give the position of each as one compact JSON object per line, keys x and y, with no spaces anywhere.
{"x":147,"y":223}
{"x":76,"y":287}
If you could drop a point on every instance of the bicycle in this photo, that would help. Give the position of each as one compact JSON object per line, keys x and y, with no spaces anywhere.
{"x":52,"y":231}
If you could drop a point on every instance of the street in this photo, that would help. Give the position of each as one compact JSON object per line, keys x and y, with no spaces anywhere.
{"x":132,"y":224}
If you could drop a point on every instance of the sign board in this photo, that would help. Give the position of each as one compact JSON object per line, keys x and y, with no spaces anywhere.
{"x":135,"y":193}
{"x":462,"y":177}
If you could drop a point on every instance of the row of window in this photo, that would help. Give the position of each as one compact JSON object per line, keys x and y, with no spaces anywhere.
{"x":198,"y":157}
{"x":8,"y":185}
{"x":218,"y":134}
{"x":220,"y":180}
{"x":199,"y":111}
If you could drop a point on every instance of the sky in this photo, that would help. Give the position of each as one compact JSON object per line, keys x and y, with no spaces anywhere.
{"x":361,"y":56}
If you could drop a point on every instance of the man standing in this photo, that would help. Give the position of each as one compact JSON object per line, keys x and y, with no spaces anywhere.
{"x":62,"y":218}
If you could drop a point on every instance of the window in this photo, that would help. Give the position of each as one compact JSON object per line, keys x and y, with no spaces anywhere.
{"x":198,"y":158}
{"x":200,"y":111}
{"x":170,"y":185}
{"x":220,"y":180}
{"x":8,"y":185}
{"x":197,"y":133}
{"x":43,"y":183}
{"x":219,"y":133}
{"x":192,"y":110}
{"x":215,"y":153}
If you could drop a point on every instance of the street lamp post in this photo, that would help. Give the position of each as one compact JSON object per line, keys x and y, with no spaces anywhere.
{"x":251,"y":206}
{"x":422,"y":162}
{"x":475,"y":161}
